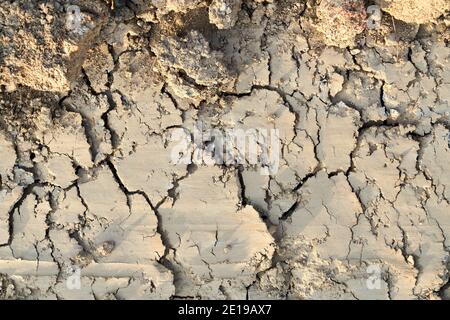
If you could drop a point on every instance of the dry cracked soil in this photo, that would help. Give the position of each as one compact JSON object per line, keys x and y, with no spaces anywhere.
{"x":347,"y":198}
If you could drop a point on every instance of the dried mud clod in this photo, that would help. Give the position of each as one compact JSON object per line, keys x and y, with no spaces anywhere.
{"x":415,"y":11}
{"x":40,"y":49}
{"x":341,"y":21}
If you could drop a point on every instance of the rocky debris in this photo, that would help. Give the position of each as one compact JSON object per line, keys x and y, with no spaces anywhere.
{"x":191,"y":65}
{"x":415,"y":11}
{"x":341,"y":21}
{"x":224,"y":13}
{"x":41,"y":47}
{"x":97,"y":65}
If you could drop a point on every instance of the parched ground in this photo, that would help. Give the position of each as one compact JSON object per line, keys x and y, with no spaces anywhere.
{"x":93,"y":93}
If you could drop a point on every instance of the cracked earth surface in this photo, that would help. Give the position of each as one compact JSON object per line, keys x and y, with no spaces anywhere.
{"x":86,"y":123}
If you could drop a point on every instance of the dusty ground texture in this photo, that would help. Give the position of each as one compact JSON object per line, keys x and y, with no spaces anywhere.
{"x":86,"y":117}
